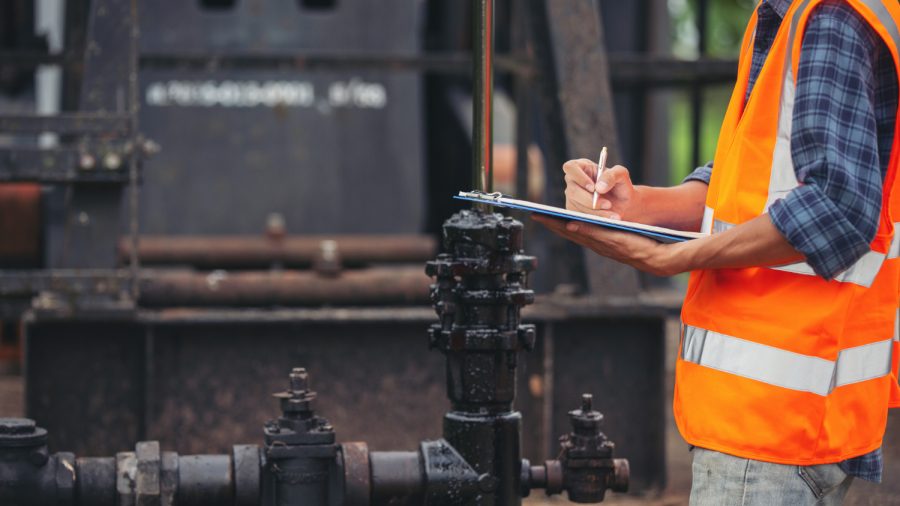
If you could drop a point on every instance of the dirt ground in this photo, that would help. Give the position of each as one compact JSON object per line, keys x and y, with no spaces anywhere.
{"x":678,"y":459}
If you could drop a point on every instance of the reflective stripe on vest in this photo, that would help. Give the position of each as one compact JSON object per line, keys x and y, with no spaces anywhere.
{"x":783,"y":178}
{"x":783,"y":368}
{"x":706,"y":226}
{"x":897,"y":326}
{"x":897,"y":341}
{"x":805,"y":366}
{"x":862,"y":273}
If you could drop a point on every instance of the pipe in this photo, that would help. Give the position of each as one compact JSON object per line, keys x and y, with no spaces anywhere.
{"x":397,"y":477}
{"x":249,"y":251}
{"x":482,"y":94}
{"x":205,"y":479}
{"x":382,"y":286}
{"x":96,"y":483}
{"x":32,"y":476}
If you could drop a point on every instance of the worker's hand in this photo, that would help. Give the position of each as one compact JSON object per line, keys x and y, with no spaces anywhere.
{"x":617,"y":200}
{"x":637,"y":251}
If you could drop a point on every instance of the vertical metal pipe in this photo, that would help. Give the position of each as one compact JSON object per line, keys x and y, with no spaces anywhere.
{"x":482,"y":94}
{"x":523,"y":97}
{"x":134,"y":158}
{"x":550,"y":443}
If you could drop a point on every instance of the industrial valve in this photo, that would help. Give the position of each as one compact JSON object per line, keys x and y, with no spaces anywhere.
{"x":299,"y":447}
{"x":480,"y":288}
{"x":589,"y":468}
{"x":585,"y":469}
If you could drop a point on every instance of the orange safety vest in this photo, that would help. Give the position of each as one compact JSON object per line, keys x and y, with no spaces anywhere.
{"x":777,"y":364}
{"x":894,"y":257}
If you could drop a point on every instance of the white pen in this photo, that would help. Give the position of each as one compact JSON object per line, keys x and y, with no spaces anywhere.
{"x":601,"y":166}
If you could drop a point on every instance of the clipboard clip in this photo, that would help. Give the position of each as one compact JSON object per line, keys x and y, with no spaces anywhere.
{"x":496,"y":196}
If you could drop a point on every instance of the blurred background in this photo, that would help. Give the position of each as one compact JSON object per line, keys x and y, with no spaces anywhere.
{"x":201,"y":194}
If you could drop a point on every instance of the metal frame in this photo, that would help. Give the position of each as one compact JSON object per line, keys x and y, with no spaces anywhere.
{"x":98,"y":146}
{"x":68,"y":284}
{"x":83,"y":163}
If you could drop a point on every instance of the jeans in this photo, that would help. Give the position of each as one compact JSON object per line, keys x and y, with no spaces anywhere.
{"x":724,"y":480}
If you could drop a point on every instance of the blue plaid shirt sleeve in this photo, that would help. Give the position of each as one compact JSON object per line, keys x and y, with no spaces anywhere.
{"x":833,"y":216}
{"x":702,"y":174}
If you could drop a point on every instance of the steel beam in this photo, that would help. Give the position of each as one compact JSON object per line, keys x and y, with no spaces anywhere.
{"x":578,"y":105}
{"x":655,"y":71}
{"x":67,"y":123}
{"x":59,"y":165}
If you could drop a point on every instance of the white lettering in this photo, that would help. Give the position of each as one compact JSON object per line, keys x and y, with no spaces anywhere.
{"x":352,"y":93}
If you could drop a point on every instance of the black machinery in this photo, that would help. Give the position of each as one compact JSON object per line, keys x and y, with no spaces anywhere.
{"x":480,"y":288}
{"x":129,"y":334}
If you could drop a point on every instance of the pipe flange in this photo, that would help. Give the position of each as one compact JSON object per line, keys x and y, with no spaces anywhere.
{"x":555,"y":477}
{"x":21,"y":432}
{"x":147,"y":480}
{"x":126,"y":472}
{"x":246,"y":462}
{"x":357,"y":480}
{"x":168,"y":478}
{"x":65,"y":475}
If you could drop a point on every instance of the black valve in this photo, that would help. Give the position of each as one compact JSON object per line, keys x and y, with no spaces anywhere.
{"x":300,"y":448}
{"x":588,"y":466}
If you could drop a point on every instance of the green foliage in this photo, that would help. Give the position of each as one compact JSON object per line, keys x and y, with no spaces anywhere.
{"x":727,"y":22}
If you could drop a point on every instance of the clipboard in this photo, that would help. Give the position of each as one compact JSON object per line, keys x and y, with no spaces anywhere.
{"x":661,"y":234}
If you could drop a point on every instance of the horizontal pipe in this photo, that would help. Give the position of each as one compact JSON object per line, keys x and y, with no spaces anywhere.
{"x":96,"y":482}
{"x":205,"y":479}
{"x":397,"y":477}
{"x":261,"y":251}
{"x":375,"y":286}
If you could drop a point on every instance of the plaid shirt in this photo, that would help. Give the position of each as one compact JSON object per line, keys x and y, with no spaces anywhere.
{"x":843,"y":129}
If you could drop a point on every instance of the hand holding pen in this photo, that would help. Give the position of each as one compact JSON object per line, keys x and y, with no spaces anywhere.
{"x":603,"y":191}
{"x":601,"y":166}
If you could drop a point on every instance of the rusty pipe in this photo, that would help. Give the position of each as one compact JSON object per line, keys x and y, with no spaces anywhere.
{"x":20,"y":225}
{"x":375,"y":286}
{"x":261,"y":251}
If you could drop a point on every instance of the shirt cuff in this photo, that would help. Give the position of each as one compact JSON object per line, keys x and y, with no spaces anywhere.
{"x":815,"y":227}
{"x":702,"y":174}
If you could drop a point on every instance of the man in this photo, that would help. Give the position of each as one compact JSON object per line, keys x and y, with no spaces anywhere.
{"x":784,"y":376}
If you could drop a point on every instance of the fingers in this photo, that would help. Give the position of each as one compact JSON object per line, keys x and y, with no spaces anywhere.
{"x":581,"y":201}
{"x":560,"y":228}
{"x":578,"y":199}
{"x":554,"y":225}
{"x":581,"y":172}
{"x":575,"y":194}
{"x":612,"y":177}
{"x":581,"y":233}
{"x":548,"y":221}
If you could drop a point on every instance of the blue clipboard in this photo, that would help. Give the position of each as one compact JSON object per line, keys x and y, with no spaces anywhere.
{"x":660,"y":234}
